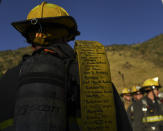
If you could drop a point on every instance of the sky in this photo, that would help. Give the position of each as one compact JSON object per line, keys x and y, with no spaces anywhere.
{"x":106,"y":21}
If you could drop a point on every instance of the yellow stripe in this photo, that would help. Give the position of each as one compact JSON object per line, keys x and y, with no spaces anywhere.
{"x":152,"y":119}
{"x":6,"y":124}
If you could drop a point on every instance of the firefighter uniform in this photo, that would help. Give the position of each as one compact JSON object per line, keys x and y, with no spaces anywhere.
{"x":136,"y":96}
{"x":151,"y":115}
{"x":126,"y":97}
{"x":149,"y":112}
{"x":46,"y":95}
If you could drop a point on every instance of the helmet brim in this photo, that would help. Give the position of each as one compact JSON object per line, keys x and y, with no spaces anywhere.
{"x":137,"y":93}
{"x":128,"y":94}
{"x":149,"y":88}
{"x":67,"y":21}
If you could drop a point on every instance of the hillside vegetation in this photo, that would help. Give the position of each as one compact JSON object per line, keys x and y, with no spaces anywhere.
{"x":130,"y":64}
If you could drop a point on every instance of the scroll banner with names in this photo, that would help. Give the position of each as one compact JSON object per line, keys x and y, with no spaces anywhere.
{"x":96,"y":92}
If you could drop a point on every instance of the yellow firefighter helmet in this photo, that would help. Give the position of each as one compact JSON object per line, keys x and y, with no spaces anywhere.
{"x":125,"y":91}
{"x":135,"y":89}
{"x":151,"y":84}
{"x":46,"y":22}
{"x":46,"y":10}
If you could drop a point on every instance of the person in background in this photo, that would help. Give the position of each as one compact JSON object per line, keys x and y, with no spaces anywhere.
{"x":149,"y":109}
{"x":136,"y":93}
{"x":126,"y":97}
{"x":160,"y":95}
{"x":136,"y":96}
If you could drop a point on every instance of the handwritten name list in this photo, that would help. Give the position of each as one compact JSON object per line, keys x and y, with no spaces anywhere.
{"x":96,"y":93}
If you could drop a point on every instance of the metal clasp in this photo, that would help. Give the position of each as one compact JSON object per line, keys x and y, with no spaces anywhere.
{"x":34,"y":21}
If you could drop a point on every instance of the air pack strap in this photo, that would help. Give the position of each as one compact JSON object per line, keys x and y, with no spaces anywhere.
{"x":41,"y":77}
